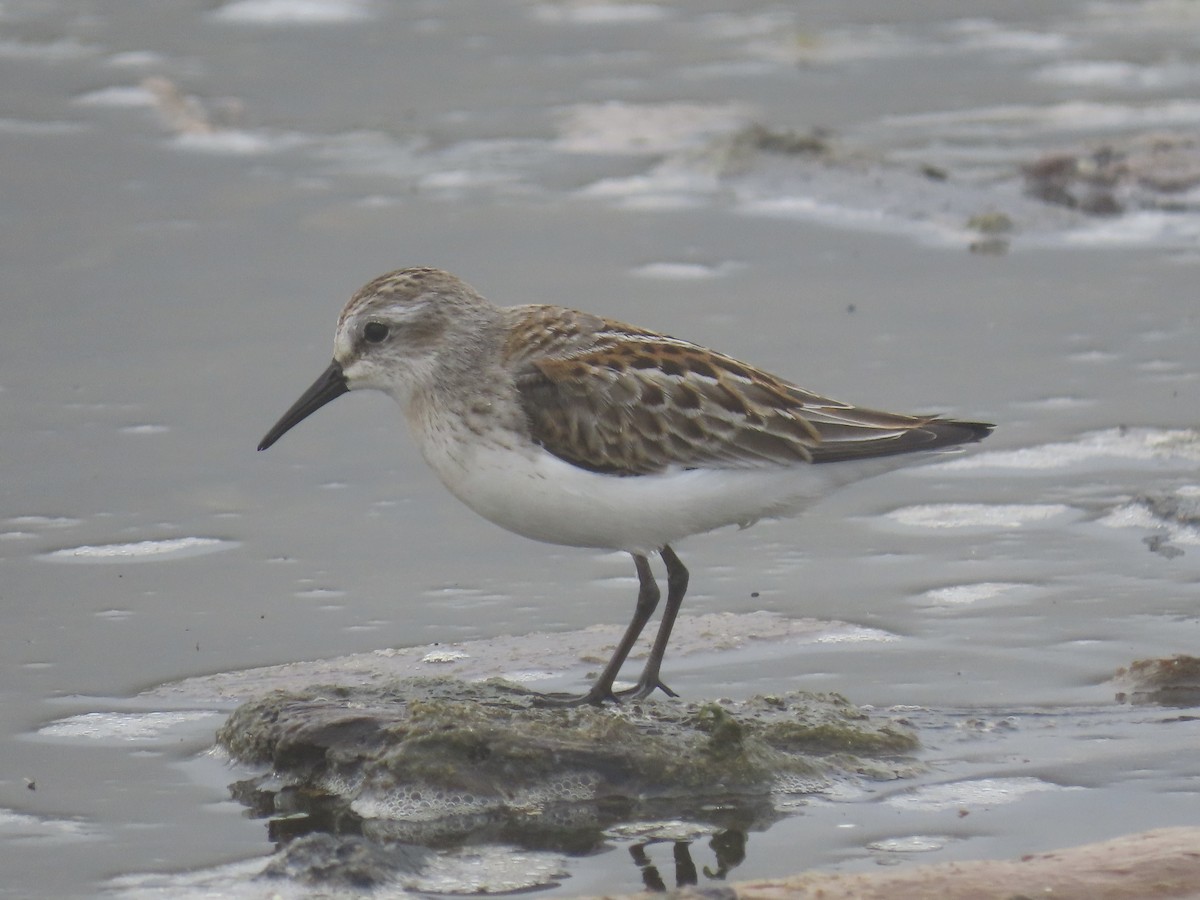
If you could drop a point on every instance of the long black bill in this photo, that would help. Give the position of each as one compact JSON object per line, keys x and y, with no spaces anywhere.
{"x":330,"y":386}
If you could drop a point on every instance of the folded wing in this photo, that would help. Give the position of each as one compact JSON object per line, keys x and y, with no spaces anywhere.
{"x":619,"y":400}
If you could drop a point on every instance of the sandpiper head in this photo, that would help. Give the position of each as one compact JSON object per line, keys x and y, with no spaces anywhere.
{"x":388,"y":338}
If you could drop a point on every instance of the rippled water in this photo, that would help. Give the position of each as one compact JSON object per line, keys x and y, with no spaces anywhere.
{"x":989,"y":211}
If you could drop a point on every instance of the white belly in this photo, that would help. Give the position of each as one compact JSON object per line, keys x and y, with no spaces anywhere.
{"x":538,"y":495}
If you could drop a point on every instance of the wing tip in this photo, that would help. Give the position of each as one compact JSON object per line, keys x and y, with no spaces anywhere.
{"x":931,"y":434}
{"x":953,"y":431}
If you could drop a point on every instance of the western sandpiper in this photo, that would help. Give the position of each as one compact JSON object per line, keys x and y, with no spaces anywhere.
{"x":573,"y":429}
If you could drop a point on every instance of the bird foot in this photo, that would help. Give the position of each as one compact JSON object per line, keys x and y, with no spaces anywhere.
{"x":599,"y":694}
{"x":643,"y":689}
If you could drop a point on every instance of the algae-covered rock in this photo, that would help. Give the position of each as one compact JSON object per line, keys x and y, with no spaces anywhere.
{"x":436,"y":763}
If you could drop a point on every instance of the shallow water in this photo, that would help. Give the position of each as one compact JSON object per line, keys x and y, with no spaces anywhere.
{"x":193,"y":190}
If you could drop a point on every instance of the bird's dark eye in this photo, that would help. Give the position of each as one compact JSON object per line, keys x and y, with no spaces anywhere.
{"x":374,"y":332}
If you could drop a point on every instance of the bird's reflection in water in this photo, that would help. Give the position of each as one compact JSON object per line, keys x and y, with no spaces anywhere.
{"x":729,"y":848}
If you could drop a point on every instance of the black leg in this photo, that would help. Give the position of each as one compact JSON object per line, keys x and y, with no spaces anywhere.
{"x":647,"y":601}
{"x":677,"y":585}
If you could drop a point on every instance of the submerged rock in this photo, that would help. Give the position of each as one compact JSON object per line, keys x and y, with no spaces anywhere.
{"x":438,"y":763}
{"x":345,"y":861}
{"x":1173,"y":681}
{"x":1145,"y":171}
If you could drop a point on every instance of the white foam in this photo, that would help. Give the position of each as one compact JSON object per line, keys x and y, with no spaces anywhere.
{"x":26,"y":828}
{"x":120,"y":96}
{"x":853,"y":213}
{"x":489,"y":869}
{"x":444,"y":655}
{"x":966,"y":594}
{"x":114,"y":615}
{"x":1117,"y":444}
{"x":1055,"y":404}
{"x":976,"y":515}
{"x":668,"y":186}
{"x":580,"y":13}
{"x":1097,"y":357}
{"x":233,"y":881}
{"x":622,"y":128}
{"x":124,"y":726}
{"x":1143,"y":227}
{"x":136,"y":59}
{"x":237,"y":142}
{"x":987,"y":34}
{"x":984,"y":792}
{"x":293,"y":12}
{"x":1117,"y":74}
{"x":855,"y":634}
{"x":1136,"y":515}
{"x":678,"y":271}
{"x":141,"y":551}
{"x":916,"y":843}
